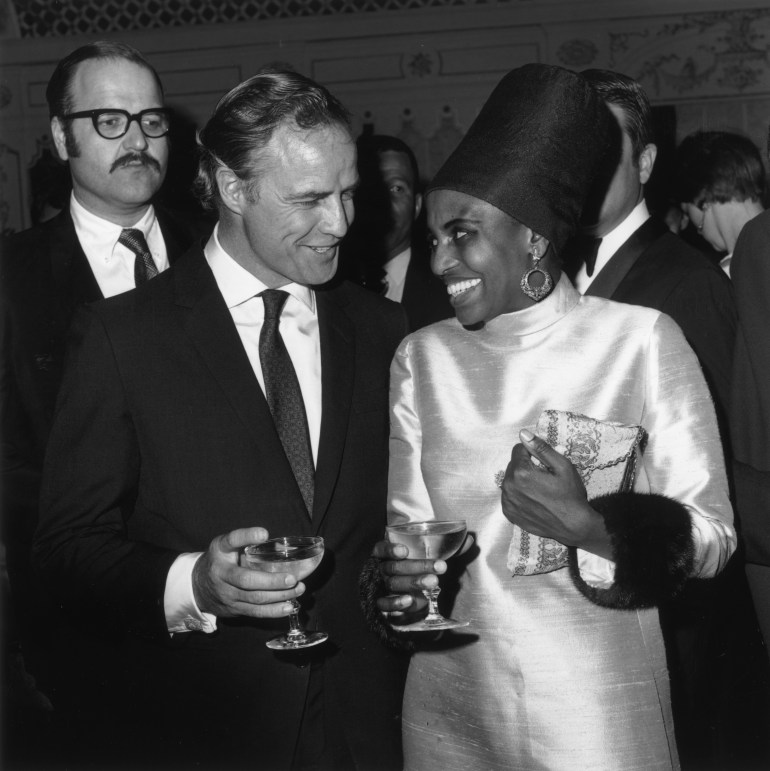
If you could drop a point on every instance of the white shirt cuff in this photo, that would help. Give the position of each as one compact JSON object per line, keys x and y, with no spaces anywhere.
{"x":182,"y":612}
{"x":595,"y":570}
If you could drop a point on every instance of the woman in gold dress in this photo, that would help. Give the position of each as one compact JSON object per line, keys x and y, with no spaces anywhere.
{"x":562,"y":666}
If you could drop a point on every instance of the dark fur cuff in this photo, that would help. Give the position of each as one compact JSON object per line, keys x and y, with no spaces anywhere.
{"x":652,"y":548}
{"x":371,"y":585}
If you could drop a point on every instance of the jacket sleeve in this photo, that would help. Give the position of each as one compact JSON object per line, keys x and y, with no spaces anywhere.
{"x":678,"y":522}
{"x":89,"y":487}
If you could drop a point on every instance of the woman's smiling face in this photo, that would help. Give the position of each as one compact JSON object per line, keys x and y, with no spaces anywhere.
{"x":480,"y":253}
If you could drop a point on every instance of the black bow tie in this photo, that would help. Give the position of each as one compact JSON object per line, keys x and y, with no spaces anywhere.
{"x":589,"y":248}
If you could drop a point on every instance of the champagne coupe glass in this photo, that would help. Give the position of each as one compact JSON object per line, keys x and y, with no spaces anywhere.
{"x":433,"y":540}
{"x":299,"y":555}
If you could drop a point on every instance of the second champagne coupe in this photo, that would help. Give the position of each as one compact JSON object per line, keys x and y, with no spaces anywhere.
{"x":433,"y":540}
{"x":296,"y":554}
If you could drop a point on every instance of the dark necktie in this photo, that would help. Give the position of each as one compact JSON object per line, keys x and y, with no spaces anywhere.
{"x":144,"y":267}
{"x":284,"y":396}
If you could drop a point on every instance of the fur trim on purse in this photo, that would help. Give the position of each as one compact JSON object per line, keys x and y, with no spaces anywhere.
{"x":371,"y":585}
{"x":653,"y":550}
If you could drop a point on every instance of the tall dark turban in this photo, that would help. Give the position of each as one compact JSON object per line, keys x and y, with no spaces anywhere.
{"x":534,"y":149}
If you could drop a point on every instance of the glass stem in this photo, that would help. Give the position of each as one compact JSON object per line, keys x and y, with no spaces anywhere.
{"x":295,"y":634}
{"x":433,"y":617}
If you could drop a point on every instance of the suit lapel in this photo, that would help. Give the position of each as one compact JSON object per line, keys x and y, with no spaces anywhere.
{"x":73,"y":282}
{"x":337,"y":373}
{"x":209,"y":325}
{"x":613,"y":273}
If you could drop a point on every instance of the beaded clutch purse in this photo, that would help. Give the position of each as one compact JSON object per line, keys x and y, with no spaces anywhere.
{"x":604,"y":454}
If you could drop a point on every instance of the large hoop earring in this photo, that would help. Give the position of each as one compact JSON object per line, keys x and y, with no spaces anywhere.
{"x":537,"y":293}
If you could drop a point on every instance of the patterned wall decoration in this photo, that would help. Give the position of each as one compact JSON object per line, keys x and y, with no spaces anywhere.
{"x":728,"y":52}
{"x":51,"y":18}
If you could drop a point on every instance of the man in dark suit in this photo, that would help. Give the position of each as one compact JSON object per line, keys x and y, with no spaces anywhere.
{"x":385,"y":251}
{"x":625,"y":254}
{"x":750,"y":407}
{"x":237,"y":396}
{"x":117,"y":159}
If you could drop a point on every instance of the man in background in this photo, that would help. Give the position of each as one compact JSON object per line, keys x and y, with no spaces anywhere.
{"x":385,"y":252}
{"x":109,"y":123}
{"x":718,"y":675}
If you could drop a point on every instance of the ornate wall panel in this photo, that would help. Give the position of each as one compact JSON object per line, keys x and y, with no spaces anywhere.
{"x":421,"y":74}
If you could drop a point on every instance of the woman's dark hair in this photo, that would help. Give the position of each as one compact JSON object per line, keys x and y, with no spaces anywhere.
{"x":246,"y":118}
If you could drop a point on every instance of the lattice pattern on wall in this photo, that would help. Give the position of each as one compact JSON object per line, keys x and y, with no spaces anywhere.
{"x":55,"y":18}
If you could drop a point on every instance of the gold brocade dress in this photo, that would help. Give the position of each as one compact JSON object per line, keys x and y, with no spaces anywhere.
{"x":543,"y":678}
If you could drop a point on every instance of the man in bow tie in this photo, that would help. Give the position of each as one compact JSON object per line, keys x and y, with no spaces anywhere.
{"x":238,"y":396}
{"x":108,"y":122}
{"x":626,"y":254}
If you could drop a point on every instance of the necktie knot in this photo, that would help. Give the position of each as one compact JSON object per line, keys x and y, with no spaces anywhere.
{"x":274,"y":300}
{"x":144,"y":266}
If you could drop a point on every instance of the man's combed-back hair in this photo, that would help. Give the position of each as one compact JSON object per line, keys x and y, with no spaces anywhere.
{"x":717,"y":167}
{"x":58,"y":94}
{"x":246,"y":118}
{"x":624,"y":92}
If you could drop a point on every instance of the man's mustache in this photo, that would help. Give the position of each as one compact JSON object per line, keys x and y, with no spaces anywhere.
{"x":129,"y":158}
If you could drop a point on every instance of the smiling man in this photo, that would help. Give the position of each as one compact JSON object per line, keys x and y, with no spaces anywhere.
{"x":234,"y":398}
{"x":109,"y":124}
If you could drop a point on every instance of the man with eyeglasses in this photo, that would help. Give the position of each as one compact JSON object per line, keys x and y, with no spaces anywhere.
{"x":108,"y":122}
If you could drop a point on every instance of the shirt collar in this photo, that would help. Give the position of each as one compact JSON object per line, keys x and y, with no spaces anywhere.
{"x":102,"y":232}
{"x":617,"y":237}
{"x":237,"y":285}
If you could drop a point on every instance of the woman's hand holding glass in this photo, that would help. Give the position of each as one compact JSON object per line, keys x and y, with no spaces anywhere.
{"x":413,"y":583}
{"x":405,"y":580}
{"x":546,"y":497}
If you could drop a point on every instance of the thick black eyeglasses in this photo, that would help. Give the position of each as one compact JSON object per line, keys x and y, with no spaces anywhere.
{"x":113,"y":124}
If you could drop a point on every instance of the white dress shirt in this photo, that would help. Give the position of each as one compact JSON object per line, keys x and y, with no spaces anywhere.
{"x":299,"y":329}
{"x":611,"y":243}
{"x":112,"y":263}
{"x":395,"y":274}
{"x":724,"y":263}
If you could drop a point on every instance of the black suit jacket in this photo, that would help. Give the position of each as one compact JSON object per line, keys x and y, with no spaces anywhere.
{"x":45,"y":277}
{"x":656,"y":269}
{"x":425,"y":298}
{"x":164,"y":440}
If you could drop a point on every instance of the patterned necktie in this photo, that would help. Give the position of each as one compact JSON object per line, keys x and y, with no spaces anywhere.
{"x":144,"y":267}
{"x":284,"y":396}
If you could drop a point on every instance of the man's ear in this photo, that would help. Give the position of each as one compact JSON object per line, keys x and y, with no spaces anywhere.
{"x":59,"y":139}
{"x":417,"y":205}
{"x":231,"y":189}
{"x":646,"y":162}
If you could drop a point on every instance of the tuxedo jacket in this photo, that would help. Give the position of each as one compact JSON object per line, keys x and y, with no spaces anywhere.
{"x":425,"y":298}
{"x":163,"y":441}
{"x":656,"y":269}
{"x":750,"y":396}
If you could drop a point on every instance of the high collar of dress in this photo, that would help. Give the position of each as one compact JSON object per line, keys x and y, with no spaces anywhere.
{"x":539,"y":316}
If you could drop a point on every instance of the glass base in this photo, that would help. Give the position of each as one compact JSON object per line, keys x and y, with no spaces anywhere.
{"x":308,"y":640}
{"x":431,"y":626}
